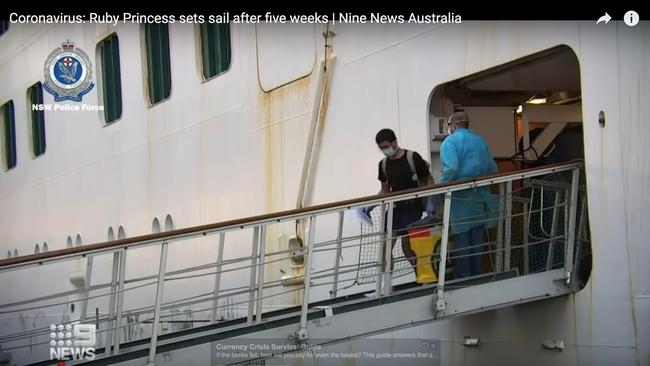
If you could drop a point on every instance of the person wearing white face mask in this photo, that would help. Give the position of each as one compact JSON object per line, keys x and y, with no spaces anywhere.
{"x":402,"y":169}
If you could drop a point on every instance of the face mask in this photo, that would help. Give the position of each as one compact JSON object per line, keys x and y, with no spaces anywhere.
{"x":449,"y":131}
{"x":389,"y":151}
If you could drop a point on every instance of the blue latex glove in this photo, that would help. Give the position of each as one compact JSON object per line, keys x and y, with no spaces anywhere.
{"x":430,"y":207}
{"x":363,"y":214}
{"x":367,"y":210}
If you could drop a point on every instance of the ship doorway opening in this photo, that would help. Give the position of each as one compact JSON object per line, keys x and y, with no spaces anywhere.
{"x":529,"y":111}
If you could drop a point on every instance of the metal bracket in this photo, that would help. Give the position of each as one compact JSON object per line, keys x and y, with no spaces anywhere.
{"x":471,"y":342}
{"x":566,"y":279}
{"x":441,"y":305}
{"x":302,"y":334}
{"x":328,"y":310}
{"x":557,"y":345}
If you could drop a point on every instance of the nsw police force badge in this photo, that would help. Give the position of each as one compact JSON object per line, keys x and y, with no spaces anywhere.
{"x":68,"y":73}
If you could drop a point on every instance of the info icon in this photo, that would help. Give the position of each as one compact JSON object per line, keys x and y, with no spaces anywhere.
{"x":631,"y":18}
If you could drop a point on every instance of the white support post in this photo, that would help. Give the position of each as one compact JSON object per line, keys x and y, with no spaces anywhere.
{"x":551,"y":244}
{"x":571,"y":235}
{"x":120,"y":303}
{"x":155,"y":326}
{"x":87,"y":279}
{"x":217,"y":278}
{"x":380,"y":260}
{"x":251,"y":286}
{"x":302,"y":331}
{"x":500,"y":229}
{"x":337,"y":261}
{"x":388,"y":252}
{"x":260,"y":276}
{"x":111,"y":302}
{"x":440,"y":289}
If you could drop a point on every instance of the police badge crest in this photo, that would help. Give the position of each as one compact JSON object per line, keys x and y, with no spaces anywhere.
{"x":68,"y":73}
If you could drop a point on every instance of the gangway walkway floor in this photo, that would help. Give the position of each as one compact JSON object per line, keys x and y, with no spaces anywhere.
{"x":285,"y":321}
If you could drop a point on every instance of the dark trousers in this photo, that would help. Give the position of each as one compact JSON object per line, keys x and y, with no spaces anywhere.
{"x":402,"y":217}
{"x":468,"y":245}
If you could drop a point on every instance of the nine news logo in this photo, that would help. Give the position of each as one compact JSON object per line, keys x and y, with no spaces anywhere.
{"x":72,"y":342}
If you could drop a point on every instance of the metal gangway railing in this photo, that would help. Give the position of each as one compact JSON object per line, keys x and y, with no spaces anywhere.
{"x":137,"y":294}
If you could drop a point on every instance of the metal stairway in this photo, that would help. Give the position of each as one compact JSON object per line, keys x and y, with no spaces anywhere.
{"x":540,"y":213}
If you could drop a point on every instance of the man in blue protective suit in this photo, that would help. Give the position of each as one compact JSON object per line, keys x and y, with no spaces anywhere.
{"x":465,"y":155}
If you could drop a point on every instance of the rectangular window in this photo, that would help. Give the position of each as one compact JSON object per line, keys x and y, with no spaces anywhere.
{"x":109,"y":49}
{"x":9,"y":134}
{"x":215,"y":48}
{"x":158,"y":67}
{"x":35,"y":96}
{"x":4,"y":26}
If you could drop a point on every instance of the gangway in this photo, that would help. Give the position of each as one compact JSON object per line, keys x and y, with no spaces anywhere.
{"x":532,"y":252}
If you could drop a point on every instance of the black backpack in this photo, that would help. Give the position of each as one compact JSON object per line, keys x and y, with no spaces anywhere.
{"x":409,"y":158}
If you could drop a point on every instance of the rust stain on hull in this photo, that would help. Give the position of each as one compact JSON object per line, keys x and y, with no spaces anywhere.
{"x":277,"y":105}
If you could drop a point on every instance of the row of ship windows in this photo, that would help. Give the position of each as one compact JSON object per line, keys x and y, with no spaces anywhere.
{"x":121,"y":234}
{"x":215,"y":51}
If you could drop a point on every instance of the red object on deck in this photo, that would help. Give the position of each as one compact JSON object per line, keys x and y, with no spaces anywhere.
{"x":420,"y":232}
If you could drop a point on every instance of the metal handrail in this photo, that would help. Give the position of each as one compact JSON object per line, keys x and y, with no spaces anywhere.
{"x":281,"y":216}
